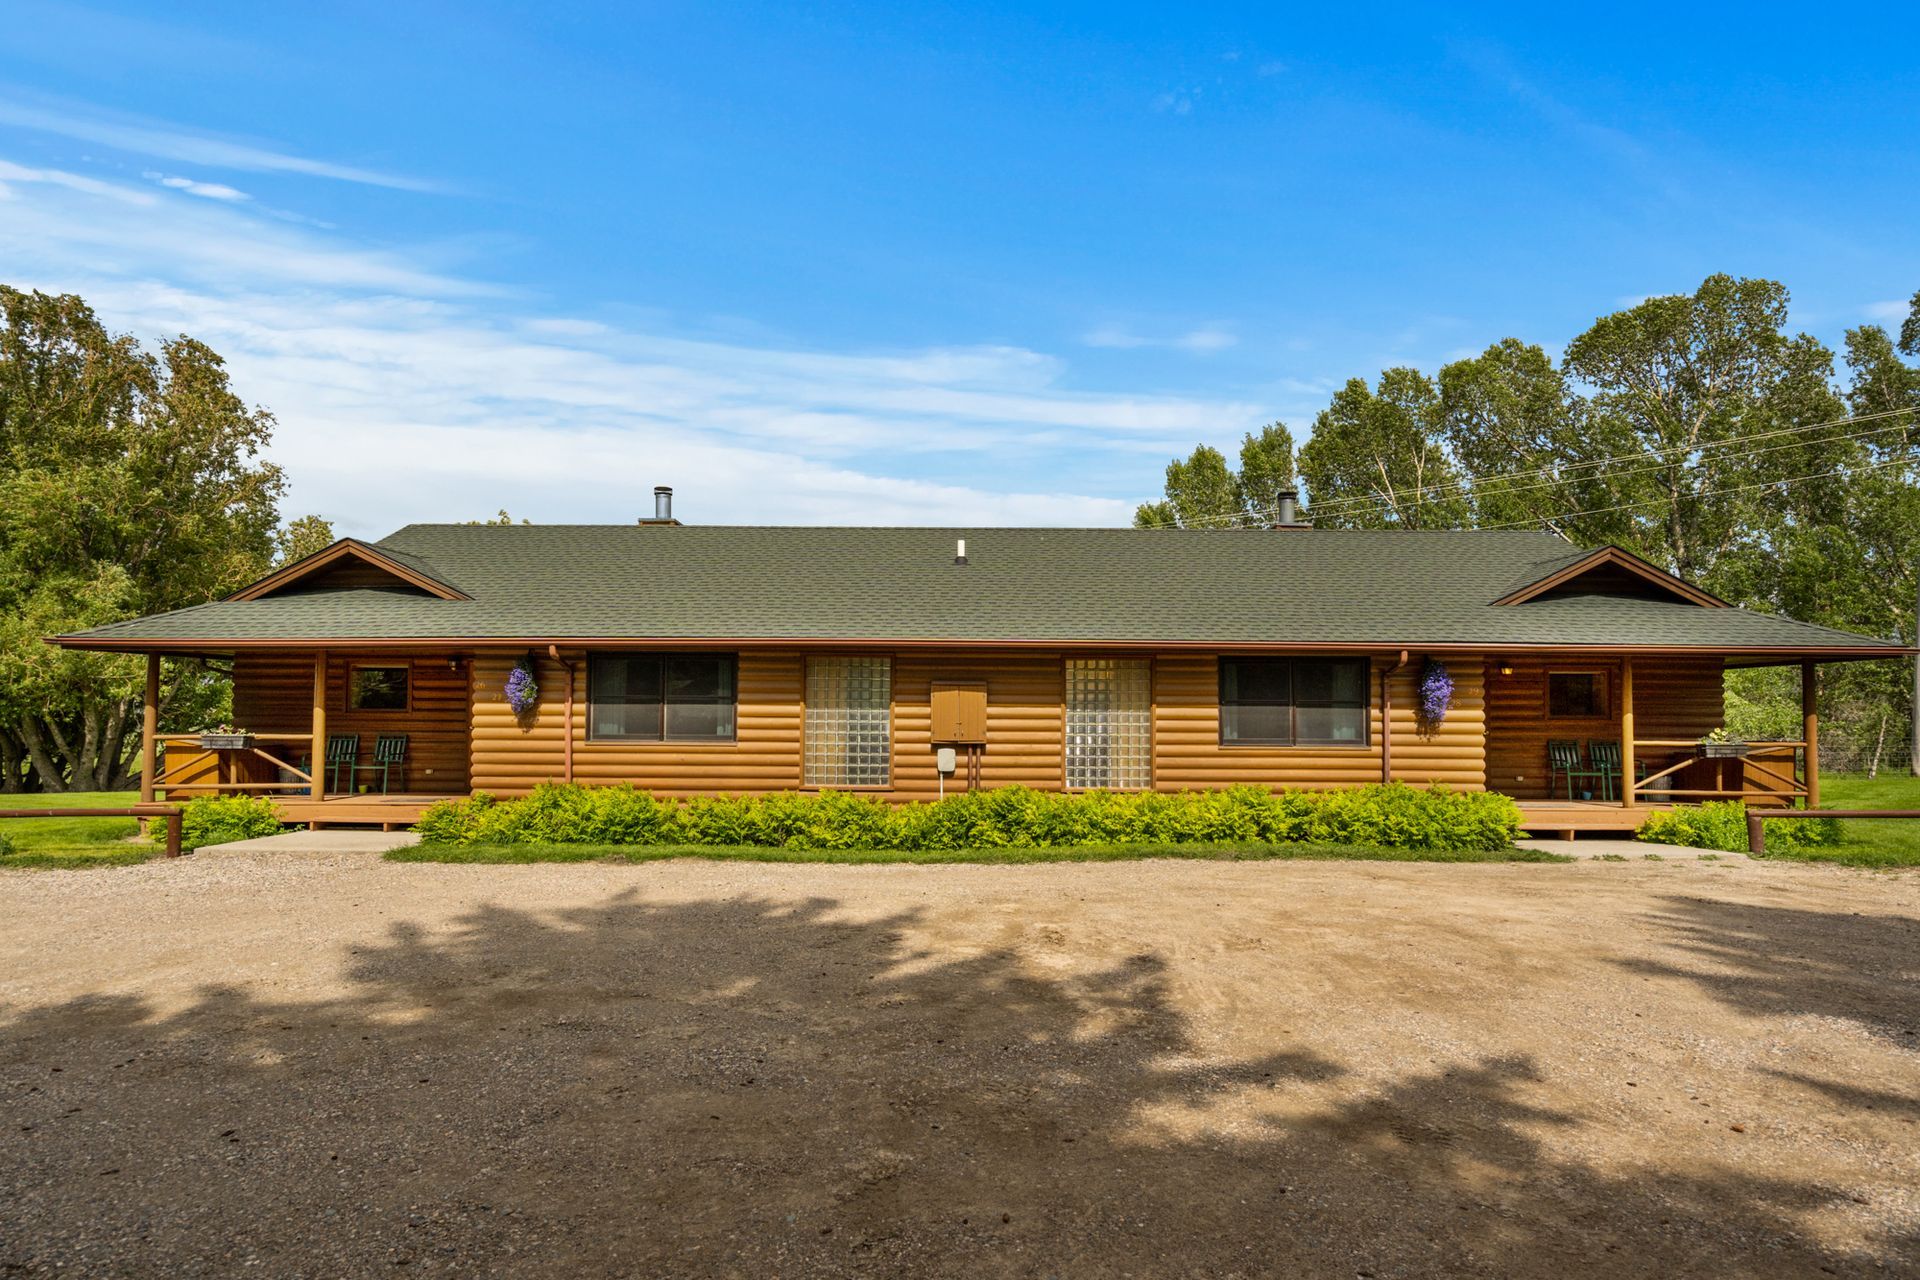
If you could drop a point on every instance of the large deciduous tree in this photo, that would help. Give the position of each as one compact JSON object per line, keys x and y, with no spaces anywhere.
{"x":1378,"y":458}
{"x":131,"y":483}
{"x":1203,"y":492}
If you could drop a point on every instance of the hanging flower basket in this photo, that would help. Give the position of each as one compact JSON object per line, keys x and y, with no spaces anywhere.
{"x":523,"y":691}
{"x":1436,"y":694}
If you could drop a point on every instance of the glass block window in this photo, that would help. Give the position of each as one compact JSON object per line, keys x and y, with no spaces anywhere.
{"x":849,"y":722}
{"x":1109,"y":723}
{"x":671,"y":697}
{"x":1286,"y":702}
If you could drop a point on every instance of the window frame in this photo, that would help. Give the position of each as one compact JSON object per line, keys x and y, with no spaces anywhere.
{"x":1602,"y":687}
{"x":893,"y":719}
{"x":1293,"y":704}
{"x":662,"y":657}
{"x":1066,"y":713}
{"x":353,"y":671}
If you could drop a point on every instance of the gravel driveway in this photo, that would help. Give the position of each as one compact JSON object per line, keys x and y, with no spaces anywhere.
{"x":341,"y":1067}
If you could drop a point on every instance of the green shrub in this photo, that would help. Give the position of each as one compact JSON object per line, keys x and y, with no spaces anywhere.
{"x":1397,"y":816}
{"x":209,"y":820}
{"x":6,"y":844}
{"x":1722,"y":825}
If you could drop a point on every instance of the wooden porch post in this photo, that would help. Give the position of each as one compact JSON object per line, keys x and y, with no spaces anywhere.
{"x":149,"y":729}
{"x":318,"y":756}
{"x":1810,"y":730}
{"x":1626,"y":733}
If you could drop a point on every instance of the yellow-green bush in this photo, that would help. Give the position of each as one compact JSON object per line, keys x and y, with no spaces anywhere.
{"x":218,"y":820}
{"x":1397,"y":816}
{"x":1722,"y":824}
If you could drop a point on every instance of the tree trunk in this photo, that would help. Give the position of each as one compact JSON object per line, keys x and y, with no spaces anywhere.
{"x":35,"y":741}
{"x":1879,"y":745}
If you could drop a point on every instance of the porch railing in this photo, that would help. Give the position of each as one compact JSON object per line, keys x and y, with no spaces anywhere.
{"x":1771,"y":770}
{"x":186,"y":765}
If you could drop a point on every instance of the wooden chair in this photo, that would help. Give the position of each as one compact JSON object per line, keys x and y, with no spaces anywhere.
{"x":1564,"y":764}
{"x":1605,"y":757}
{"x":389,"y":753}
{"x":342,"y":758}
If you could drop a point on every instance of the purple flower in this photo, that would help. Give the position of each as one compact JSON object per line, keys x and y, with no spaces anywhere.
{"x":522,"y":692}
{"x":1436,"y":693}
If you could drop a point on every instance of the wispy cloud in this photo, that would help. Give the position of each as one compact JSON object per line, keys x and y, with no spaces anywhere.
{"x":159,"y":140}
{"x":1897,"y":309}
{"x":410,"y":391}
{"x":205,"y":190}
{"x":1119,"y":337}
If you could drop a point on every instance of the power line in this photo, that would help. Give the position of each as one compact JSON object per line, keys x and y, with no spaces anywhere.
{"x":1709,"y":493}
{"x":1568,"y":472}
{"x":1564,"y":472}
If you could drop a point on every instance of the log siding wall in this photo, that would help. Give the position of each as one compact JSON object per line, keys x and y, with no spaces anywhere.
{"x":1674,"y":698}
{"x":1026,"y":738}
{"x":273,"y":693}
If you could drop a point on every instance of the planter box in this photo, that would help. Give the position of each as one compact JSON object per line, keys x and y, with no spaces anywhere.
{"x":225,"y":741}
{"x":1723,"y":750}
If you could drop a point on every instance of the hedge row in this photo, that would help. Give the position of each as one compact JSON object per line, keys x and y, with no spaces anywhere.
{"x":1397,"y":816}
{"x":207,"y":820}
{"x":1722,"y":824}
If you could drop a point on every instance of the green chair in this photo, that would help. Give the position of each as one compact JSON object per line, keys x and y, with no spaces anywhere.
{"x":1564,"y":764}
{"x":389,"y":754}
{"x":1605,"y":757}
{"x":343,"y":756}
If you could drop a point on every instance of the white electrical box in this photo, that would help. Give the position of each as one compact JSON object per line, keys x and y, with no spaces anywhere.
{"x":943,"y":760}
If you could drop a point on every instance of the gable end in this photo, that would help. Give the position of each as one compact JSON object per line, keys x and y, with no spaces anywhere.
{"x":347,"y":563}
{"x":1614,"y":572}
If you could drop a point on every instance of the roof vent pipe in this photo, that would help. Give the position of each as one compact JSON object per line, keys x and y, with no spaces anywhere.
{"x":960,"y":551}
{"x":1287,"y":513}
{"x":662,"y":502}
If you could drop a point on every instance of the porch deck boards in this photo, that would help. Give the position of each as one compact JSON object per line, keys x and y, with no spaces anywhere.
{"x":396,"y":810}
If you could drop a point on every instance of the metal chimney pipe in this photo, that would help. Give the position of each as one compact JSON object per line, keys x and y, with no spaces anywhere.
{"x":662,"y":502}
{"x":1289,"y":512}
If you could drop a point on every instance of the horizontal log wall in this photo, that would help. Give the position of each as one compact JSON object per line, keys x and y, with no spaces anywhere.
{"x":1674,"y":698}
{"x":1188,"y":753}
{"x":1026,"y":719}
{"x":514,"y":753}
{"x":273,"y":693}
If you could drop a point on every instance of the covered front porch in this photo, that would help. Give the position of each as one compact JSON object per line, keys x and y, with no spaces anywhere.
{"x":332,"y":735}
{"x":1603,"y":745}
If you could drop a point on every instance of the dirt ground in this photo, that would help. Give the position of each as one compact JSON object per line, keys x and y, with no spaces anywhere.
{"x":341,"y":1067}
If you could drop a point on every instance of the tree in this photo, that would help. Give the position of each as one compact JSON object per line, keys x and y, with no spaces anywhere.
{"x":301,"y":538}
{"x":1512,"y":423}
{"x":1203,"y":492}
{"x":131,"y":485}
{"x":502,"y":519}
{"x":1721,"y":402}
{"x":1378,"y":458}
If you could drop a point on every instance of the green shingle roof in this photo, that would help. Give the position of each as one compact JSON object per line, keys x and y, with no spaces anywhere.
{"x":761,"y":583}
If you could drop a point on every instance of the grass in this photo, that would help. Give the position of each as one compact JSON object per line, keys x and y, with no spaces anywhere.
{"x":1251,"y":852}
{"x":73,"y":842}
{"x":1870,"y":842}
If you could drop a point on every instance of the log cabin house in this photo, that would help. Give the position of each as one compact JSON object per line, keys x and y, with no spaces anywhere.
{"x":698,"y":660}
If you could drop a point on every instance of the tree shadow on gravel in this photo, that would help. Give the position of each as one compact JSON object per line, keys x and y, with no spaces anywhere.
{"x":1787,"y":961}
{"x":752,"y":1088}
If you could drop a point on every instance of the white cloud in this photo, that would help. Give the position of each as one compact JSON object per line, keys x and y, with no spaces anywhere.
{"x":205,"y":190}
{"x":1895,"y":310}
{"x":1119,"y":337}
{"x":405,"y":392}
{"x":171,"y":142}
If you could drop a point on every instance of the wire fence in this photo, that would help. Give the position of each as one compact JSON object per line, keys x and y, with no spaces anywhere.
{"x":1894,"y":758}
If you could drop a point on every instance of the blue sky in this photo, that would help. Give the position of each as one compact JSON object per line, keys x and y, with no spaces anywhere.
{"x":914,"y":264}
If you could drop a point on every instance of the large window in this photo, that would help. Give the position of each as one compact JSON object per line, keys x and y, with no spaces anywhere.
{"x":670,"y":697}
{"x":849,"y":722}
{"x":1577,"y":695}
{"x":1109,"y":723}
{"x":377,"y":689}
{"x":1289,"y":702}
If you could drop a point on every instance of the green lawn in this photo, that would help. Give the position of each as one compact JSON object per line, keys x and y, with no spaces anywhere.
{"x":1877,"y":842}
{"x":73,"y":842}
{"x":1079,"y":853}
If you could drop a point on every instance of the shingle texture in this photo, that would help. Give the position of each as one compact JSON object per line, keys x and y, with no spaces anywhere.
{"x":760,"y":583}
